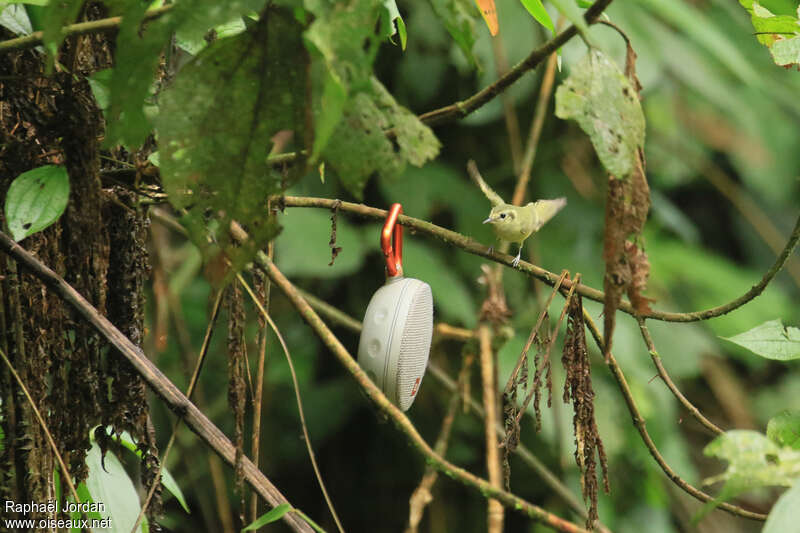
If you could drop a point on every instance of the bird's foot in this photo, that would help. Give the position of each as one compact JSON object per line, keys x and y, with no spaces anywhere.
{"x":515,"y":262}
{"x":490,"y":250}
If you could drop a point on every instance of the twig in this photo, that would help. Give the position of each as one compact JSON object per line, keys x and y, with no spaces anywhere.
{"x":694,"y":411}
{"x":393,"y":412}
{"x":81,"y":28}
{"x":299,"y":400}
{"x":421,"y":496}
{"x":639,"y":423}
{"x":512,"y":379}
{"x":549,"y":348}
{"x":495,"y":508}
{"x":255,"y":441}
{"x":509,"y":113}
{"x":189,"y":392}
{"x":561,"y":490}
{"x":464,"y":108}
{"x":469,"y":245}
{"x":545,"y":90}
{"x":65,"y":474}
{"x":160,"y":384}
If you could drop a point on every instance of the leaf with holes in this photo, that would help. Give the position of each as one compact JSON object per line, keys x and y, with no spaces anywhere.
{"x":36,"y":199}
{"x":219,"y":122}
{"x":770,"y":340}
{"x":606,"y":106}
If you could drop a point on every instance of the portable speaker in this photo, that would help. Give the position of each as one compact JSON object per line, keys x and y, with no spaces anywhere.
{"x":398,"y":325}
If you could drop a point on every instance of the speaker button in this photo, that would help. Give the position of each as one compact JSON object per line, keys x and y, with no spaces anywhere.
{"x":380,"y":315}
{"x":374,"y":347}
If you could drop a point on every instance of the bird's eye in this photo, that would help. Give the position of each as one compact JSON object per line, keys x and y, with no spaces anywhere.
{"x":503,"y":215}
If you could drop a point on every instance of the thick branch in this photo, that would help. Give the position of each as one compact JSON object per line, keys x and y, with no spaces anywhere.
{"x":181,"y":405}
{"x":469,"y":245}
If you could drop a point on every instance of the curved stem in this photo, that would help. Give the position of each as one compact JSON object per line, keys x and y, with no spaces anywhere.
{"x":469,"y":245}
{"x":694,"y":411}
{"x":639,"y":423}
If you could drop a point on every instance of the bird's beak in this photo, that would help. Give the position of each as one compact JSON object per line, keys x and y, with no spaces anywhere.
{"x":487,"y":220}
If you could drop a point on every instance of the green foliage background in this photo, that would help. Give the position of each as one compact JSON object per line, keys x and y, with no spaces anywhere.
{"x":711,"y":96}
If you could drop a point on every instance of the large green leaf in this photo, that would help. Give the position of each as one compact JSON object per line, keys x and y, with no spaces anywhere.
{"x":537,"y":11}
{"x":771,"y":340}
{"x":342,"y":36}
{"x":58,"y":14}
{"x":783,"y":516}
{"x":109,"y":483}
{"x":275,"y":514}
{"x":36,"y":199}
{"x":138,"y":53}
{"x":14,"y":18}
{"x":605,"y":105}
{"x":360,"y":146}
{"x":218,"y":123}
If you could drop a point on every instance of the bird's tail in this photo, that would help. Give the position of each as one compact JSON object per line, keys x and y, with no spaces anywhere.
{"x":493,"y":197}
{"x":547,"y":209}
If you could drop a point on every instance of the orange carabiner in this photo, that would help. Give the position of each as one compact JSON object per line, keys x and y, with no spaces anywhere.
{"x":392,"y":242}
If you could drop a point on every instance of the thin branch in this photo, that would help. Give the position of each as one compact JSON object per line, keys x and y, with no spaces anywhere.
{"x":465,"y":107}
{"x":393,"y":412}
{"x":545,"y":90}
{"x":189,"y":392}
{"x":694,"y":411}
{"x":299,"y":400}
{"x":471,"y":246}
{"x":421,"y":496}
{"x":160,"y":384}
{"x":639,"y":423}
{"x":65,"y":475}
{"x":495,"y":513}
{"x":81,"y":28}
{"x":512,"y":379}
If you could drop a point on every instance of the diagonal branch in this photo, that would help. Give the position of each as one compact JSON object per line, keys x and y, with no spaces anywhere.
{"x":471,"y":246}
{"x":160,"y":384}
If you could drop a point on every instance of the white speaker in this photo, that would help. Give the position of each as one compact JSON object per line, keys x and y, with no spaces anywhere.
{"x":398,"y":325}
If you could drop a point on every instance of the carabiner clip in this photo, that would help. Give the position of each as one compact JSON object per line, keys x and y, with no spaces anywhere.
{"x":392,"y":242}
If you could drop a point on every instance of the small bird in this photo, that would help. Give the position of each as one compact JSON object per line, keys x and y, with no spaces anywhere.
{"x":514,"y":223}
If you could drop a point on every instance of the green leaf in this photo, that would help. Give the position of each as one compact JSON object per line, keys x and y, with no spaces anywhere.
{"x":783,"y":516}
{"x":458,"y":16}
{"x":390,"y":17}
{"x":538,"y":12}
{"x":753,"y":461}
{"x":36,"y":199}
{"x":138,"y":53}
{"x":786,"y":52}
{"x":338,"y":37}
{"x":771,"y":340}
{"x":100,"y":83}
{"x":272,"y":516}
{"x":15,"y":19}
{"x":784,"y":429}
{"x":113,"y":487}
{"x":360,"y":147}
{"x":166,"y":477}
{"x":217,"y":125}
{"x":605,"y":105}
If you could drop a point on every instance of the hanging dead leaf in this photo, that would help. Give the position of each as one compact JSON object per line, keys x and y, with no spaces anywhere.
{"x":489,"y":14}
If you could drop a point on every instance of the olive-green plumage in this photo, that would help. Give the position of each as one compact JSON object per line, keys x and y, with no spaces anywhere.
{"x":513,"y":223}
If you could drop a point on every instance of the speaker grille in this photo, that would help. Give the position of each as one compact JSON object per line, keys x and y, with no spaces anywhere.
{"x":415,"y":346}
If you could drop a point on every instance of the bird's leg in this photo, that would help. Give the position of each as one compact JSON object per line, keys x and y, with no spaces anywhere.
{"x":491,"y":248}
{"x":515,"y":262}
